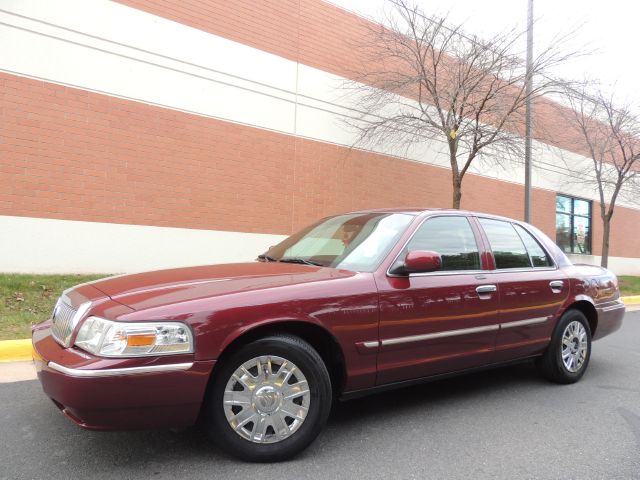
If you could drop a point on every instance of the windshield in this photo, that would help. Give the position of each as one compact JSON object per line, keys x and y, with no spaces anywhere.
{"x":357,"y":241}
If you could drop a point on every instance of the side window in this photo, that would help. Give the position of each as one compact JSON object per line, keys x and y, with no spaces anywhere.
{"x":539,"y":257}
{"x":508,"y":249}
{"x":451,"y":237}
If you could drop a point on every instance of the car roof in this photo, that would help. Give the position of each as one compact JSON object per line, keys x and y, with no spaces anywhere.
{"x":416,"y":211}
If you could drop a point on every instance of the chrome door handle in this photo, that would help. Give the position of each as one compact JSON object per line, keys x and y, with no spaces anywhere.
{"x":556,"y":286}
{"x":486,"y":289}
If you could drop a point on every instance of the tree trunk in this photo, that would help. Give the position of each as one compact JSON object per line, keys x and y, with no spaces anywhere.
{"x":457,"y":192}
{"x":606,"y":230}
{"x":456,"y":178}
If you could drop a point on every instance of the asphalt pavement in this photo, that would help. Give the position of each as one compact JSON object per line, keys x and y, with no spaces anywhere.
{"x":505,"y":423}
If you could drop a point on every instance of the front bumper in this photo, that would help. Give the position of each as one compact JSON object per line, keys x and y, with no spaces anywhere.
{"x":120,"y":394}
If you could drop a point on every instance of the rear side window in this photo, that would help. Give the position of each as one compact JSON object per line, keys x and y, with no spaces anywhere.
{"x":508,"y":249}
{"x":451,"y":237}
{"x":539,"y":257}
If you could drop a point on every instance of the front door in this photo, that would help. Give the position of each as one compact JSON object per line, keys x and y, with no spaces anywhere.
{"x":442,"y":321}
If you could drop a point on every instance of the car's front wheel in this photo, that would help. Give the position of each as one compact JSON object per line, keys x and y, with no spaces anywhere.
{"x":270,"y":399}
{"x":567,"y":356}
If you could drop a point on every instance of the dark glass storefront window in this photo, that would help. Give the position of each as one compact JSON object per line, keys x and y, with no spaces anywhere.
{"x":573,"y":224}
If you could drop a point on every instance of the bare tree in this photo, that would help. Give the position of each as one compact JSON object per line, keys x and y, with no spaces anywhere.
{"x":423,"y":79}
{"x":611,"y":136}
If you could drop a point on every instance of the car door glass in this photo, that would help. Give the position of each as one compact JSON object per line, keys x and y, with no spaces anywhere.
{"x":508,"y":249}
{"x":451,"y":237}
{"x":539,"y":257}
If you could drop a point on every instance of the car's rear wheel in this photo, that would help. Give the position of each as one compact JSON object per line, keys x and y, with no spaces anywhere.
{"x":269,"y":400}
{"x":567,"y":356}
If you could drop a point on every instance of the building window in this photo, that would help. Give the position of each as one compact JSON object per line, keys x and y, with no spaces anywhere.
{"x":573,"y":224}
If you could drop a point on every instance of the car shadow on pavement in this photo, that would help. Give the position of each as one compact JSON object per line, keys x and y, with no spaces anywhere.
{"x":428,"y":395}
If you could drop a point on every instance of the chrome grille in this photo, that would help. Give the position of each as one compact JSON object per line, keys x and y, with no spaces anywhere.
{"x":63,"y":321}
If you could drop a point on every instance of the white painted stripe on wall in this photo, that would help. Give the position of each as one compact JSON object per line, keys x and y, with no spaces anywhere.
{"x":39,"y":245}
{"x":106,"y":47}
{"x":42,"y":245}
{"x":117,"y":50}
{"x":618,"y":265}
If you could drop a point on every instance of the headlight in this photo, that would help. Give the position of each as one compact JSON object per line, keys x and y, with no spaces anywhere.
{"x":122,"y":339}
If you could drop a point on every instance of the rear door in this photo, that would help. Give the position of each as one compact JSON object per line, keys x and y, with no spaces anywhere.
{"x":532,"y":289}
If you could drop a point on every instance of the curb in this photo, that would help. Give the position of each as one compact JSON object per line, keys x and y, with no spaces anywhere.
{"x":15,"y":350}
{"x":631,"y":300}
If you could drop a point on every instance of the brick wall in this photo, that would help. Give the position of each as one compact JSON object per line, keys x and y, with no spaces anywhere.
{"x":73,"y":154}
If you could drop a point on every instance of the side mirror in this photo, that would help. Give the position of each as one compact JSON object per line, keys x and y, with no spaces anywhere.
{"x":421,"y":261}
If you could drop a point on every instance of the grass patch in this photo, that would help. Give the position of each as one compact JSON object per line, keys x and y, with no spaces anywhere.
{"x":629,"y":285}
{"x":29,"y":299}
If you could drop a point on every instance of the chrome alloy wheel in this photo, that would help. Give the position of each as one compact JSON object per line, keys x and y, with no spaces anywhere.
{"x":574,"y":346}
{"x":266,"y":399}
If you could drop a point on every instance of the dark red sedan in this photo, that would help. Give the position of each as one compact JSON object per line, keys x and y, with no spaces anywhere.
{"x":351,"y":305}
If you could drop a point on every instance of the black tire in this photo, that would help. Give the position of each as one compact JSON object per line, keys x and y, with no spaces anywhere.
{"x":551,"y":364}
{"x":308,"y":361}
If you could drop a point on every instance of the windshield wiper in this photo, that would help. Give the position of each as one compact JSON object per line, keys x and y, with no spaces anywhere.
{"x":266,"y":257}
{"x":300,"y":260}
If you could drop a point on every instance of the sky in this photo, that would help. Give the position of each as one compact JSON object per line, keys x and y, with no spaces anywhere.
{"x":606,"y":28}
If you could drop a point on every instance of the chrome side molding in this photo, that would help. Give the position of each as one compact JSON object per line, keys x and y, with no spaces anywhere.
{"x":528,"y":321}
{"x":447,"y":333}
{"x":462,"y":331}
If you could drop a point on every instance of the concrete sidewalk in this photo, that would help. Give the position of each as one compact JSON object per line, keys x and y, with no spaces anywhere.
{"x":17,"y":371}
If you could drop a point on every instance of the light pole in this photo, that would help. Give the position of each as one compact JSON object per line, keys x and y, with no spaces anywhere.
{"x":528,"y":107}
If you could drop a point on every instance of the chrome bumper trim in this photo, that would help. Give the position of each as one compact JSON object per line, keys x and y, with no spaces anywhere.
{"x":111,"y":372}
{"x":614,"y":307}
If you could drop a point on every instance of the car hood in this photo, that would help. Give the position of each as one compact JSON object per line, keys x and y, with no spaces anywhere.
{"x":164,"y":287}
